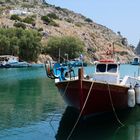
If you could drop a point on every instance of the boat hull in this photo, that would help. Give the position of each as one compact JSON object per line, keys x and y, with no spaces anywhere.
{"x":93,"y":97}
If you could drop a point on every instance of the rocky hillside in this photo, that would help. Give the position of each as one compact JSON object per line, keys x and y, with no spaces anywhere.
{"x":99,"y":40}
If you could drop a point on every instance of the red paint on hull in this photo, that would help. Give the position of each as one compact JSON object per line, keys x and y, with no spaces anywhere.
{"x":102,"y":97}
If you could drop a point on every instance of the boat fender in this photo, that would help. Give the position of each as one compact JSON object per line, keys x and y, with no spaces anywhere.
{"x":131,"y":97}
{"x":137,"y":92}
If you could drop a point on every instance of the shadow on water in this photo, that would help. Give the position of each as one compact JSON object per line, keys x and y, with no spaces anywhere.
{"x":104,"y":127}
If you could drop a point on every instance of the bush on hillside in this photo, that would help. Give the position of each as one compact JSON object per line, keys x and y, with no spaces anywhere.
{"x":53,"y":23}
{"x":20,"y":25}
{"x":46,"y":19}
{"x":29,"y":20}
{"x":52,"y":16}
{"x":68,"y":45}
{"x":88,"y":20}
{"x":15,"y":17}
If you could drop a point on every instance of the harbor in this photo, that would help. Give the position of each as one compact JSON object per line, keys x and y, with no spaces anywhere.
{"x":31,"y":108}
{"x":69,"y":73}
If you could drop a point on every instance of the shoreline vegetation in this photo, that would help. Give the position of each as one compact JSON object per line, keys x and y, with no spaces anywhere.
{"x":27,"y":29}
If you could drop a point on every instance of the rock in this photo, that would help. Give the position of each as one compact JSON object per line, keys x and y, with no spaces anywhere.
{"x":43,"y":58}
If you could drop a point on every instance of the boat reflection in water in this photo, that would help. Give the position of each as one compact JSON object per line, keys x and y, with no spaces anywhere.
{"x":103,"y":127}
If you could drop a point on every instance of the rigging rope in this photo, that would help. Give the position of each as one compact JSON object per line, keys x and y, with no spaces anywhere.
{"x":66,"y":89}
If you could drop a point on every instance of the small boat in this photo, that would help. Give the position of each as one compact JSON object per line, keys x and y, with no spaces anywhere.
{"x":75,"y":63}
{"x":9,"y":61}
{"x":136,"y":61}
{"x":104,"y":92}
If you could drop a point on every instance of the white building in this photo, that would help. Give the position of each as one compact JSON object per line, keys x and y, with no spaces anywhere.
{"x":19,"y":12}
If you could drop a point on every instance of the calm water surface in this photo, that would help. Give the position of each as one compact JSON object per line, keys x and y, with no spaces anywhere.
{"x":32,"y":109}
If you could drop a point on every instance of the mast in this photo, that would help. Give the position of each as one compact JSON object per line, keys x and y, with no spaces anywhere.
{"x":59,"y":55}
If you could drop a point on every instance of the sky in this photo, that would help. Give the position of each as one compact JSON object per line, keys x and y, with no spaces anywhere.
{"x":117,"y":15}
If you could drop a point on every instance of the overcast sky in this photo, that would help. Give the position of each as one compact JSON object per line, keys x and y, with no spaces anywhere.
{"x":118,"y":15}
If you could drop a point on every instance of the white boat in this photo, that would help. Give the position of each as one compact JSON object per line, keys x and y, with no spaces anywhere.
{"x":9,"y":61}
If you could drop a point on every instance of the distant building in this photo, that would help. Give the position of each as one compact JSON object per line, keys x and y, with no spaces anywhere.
{"x":36,"y":1}
{"x":19,"y":12}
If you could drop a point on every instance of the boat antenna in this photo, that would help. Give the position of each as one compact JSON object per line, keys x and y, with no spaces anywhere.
{"x":81,"y":58}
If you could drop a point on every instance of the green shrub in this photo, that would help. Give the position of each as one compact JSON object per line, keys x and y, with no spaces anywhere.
{"x":20,"y":25}
{"x":58,"y":8}
{"x":123,"y":53}
{"x":78,"y":24}
{"x":69,"y":20}
{"x":40,"y":29}
{"x":29,"y":20}
{"x":46,"y":19}
{"x":52,"y":16}
{"x":15,"y":17}
{"x":53,"y":23}
{"x":88,"y":20}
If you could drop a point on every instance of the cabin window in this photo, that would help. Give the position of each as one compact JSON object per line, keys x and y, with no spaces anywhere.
{"x":112,"y":68}
{"x":101,"y":68}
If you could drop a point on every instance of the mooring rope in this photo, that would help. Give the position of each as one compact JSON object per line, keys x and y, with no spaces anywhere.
{"x":72,"y":130}
{"x":66,"y":89}
{"x":111,"y":101}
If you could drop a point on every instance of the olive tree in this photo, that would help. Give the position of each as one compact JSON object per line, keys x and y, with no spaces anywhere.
{"x":66,"y":45}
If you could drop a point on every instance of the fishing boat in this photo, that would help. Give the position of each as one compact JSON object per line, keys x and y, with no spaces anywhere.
{"x":9,"y":61}
{"x":136,"y":61}
{"x":105,"y":91}
{"x":75,"y":63}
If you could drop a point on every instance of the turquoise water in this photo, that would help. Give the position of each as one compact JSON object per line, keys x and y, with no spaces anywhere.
{"x":29,"y":105}
{"x":32,"y":109}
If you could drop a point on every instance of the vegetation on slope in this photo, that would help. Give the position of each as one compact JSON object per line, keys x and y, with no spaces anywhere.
{"x":49,"y":21}
{"x":66,"y":45}
{"x":23,"y":43}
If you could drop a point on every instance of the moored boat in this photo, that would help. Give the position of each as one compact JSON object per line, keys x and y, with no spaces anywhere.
{"x":104,"y":92}
{"x":136,"y":61}
{"x":75,"y":63}
{"x":9,"y":61}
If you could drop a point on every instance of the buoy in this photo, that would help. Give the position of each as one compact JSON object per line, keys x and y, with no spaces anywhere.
{"x":131,"y":97}
{"x":137,"y":92}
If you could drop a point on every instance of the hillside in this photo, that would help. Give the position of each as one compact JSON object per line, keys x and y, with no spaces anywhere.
{"x":97,"y":38}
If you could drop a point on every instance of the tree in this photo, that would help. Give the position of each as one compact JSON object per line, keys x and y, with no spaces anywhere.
{"x":4,"y":45}
{"x":30,"y":45}
{"x":68,"y":45}
{"x":23,"y":43}
{"x":14,"y":46}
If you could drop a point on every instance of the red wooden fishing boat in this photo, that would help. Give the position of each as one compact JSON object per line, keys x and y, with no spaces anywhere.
{"x":104,"y":92}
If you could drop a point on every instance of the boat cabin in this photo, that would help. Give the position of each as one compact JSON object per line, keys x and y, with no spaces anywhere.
{"x":107,"y":72}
